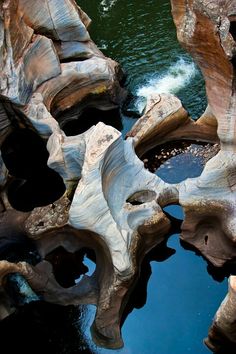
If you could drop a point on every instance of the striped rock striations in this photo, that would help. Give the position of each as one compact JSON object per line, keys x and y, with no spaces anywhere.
{"x":104,"y":199}
{"x":207,"y":30}
{"x":49,"y":63}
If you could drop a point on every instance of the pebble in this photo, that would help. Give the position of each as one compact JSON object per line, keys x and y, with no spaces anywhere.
{"x":164,"y":158}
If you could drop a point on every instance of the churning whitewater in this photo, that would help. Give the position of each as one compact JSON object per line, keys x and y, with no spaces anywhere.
{"x":174,"y":79}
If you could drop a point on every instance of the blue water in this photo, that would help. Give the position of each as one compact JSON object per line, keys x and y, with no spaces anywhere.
{"x":180,"y":167}
{"x":182,"y":297}
{"x":181,"y":302}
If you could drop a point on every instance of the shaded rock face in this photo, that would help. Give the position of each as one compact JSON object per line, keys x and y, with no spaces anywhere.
{"x":222,"y":334}
{"x":207,"y":30}
{"x":107,"y":202}
{"x":35,"y":41}
{"x":214,"y":52}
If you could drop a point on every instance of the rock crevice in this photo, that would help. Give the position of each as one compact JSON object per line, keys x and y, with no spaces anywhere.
{"x":112,"y":204}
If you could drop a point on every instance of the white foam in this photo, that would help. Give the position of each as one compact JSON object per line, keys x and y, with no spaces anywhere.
{"x":175,"y":78}
{"x":106,"y":5}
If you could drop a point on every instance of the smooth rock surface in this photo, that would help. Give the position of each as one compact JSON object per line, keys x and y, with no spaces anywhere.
{"x":112,"y":204}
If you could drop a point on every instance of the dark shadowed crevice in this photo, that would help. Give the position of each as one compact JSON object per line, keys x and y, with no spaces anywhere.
{"x":141,"y":197}
{"x":73,"y":124}
{"x":51,"y":329}
{"x":72,"y":59}
{"x":18,"y":249}
{"x":33,"y":183}
{"x":69,"y":267}
{"x":23,"y":152}
{"x":232,"y":29}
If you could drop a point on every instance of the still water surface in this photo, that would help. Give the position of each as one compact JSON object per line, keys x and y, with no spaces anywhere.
{"x":181,"y":296}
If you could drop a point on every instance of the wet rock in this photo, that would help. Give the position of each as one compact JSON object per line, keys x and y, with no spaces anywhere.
{"x":112,"y":204}
{"x":134,"y":106}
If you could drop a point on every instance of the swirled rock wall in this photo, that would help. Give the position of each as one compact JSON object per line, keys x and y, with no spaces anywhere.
{"x":109,"y":201}
{"x":46,"y":52}
{"x":207,"y":29}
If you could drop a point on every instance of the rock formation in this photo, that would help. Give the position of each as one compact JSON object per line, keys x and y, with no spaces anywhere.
{"x":49,"y":63}
{"x":105,"y":200}
{"x":207,"y":30}
{"x":222,"y":334}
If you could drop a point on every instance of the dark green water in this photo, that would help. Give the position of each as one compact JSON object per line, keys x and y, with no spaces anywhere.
{"x":174,"y":315}
{"x":181,"y":296}
{"x":141,"y":36}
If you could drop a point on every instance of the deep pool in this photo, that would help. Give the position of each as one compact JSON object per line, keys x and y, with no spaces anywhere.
{"x":181,"y":296}
{"x":174,"y":315}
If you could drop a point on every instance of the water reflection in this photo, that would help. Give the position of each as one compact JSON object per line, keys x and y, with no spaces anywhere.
{"x":218,"y":274}
{"x":169,"y":311}
{"x":178,"y":160}
{"x":138,"y":297}
{"x":179,"y":295}
{"x":40,"y":327}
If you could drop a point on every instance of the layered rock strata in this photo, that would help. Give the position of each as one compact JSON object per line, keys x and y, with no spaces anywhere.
{"x":112,"y":204}
{"x":207,"y":30}
{"x":222,"y":334}
{"x":49,"y":63}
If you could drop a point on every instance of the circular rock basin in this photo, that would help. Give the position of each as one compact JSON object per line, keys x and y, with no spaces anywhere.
{"x":174,"y":162}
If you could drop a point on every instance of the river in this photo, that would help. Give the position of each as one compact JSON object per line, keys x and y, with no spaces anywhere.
{"x":174,"y":314}
{"x":181,"y":296}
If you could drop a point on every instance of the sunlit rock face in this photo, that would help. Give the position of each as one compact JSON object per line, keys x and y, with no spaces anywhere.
{"x":207,"y":30}
{"x":214,"y":52}
{"x":65,"y":23}
{"x":46,"y":52}
{"x":91,"y":190}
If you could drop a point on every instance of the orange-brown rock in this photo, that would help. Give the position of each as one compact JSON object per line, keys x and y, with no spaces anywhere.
{"x":207,"y":30}
{"x":222,"y":334}
{"x":36,"y":39}
{"x":112,"y":204}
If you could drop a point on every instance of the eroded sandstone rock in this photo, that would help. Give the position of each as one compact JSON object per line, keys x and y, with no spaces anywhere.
{"x":166,"y":120}
{"x":64,"y":21}
{"x":30,"y":59}
{"x":222,"y":334}
{"x":36,"y":37}
{"x":207,"y":30}
{"x":112,"y":204}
